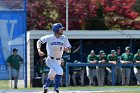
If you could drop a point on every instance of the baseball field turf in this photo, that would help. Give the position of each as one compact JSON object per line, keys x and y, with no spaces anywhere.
{"x":4,"y":88}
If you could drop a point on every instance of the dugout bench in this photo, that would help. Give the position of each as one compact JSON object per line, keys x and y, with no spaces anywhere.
{"x":97,"y":64}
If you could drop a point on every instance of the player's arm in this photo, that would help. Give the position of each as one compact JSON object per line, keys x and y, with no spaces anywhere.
{"x":67,"y":46}
{"x":67,"y":49}
{"x":39,"y":48}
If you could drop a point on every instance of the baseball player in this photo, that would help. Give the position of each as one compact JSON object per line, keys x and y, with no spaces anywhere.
{"x":137,"y":68}
{"x":118,"y":78}
{"x":126,"y":58}
{"x":112,"y":59}
{"x":100,"y":69}
{"x":78,"y":71}
{"x":56,"y":44}
{"x":91,"y":71}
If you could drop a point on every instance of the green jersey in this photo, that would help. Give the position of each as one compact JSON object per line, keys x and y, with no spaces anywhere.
{"x":118,"y":57}
{"x":15,"y":61}
{"x":101,"y":58}
{"x":111,"y":58}
{"x":127,"y":57}
{"x":91,"y":58}
{"x":137,"y":58}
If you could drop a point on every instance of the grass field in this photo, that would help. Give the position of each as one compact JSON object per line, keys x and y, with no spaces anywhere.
{"x":4,"y":88}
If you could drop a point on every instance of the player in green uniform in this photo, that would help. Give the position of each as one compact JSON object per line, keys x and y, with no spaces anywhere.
{"x":91,"y":71}
{"x":15,"y":61}
{"x":78,"y":71}
{"x":112,"y":58}
{"x":126,"y":58}
{"x":100,"y":69}
{"x":137,"y":68}
{"x":43,"y":70}
{"x":118,"y":68}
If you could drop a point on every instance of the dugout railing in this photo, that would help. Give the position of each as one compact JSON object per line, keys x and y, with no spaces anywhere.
{"x":97,"y":64}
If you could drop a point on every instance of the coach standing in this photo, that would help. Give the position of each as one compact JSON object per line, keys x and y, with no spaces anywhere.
{"x":126,"y":58}
{"x":15,"y":61}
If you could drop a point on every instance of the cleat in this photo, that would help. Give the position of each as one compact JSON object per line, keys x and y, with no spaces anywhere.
{"x":56,"y":91}
{"x":45,"y":90}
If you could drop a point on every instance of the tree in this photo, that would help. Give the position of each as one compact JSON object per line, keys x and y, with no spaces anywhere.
{"x":85,"y":14}
{"x":117,"y":14}
{"x":39,"y":15}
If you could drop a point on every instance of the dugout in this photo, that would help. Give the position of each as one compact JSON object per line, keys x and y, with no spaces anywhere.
{"x":82,"y":42}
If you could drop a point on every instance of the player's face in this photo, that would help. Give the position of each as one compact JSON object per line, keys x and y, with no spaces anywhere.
{"x":92,"y":54}
{"x":139,"y":54}
{"x":127,"y":51}
{"x":113,"y":54}
{"x":15,"y":52}
{"x":61,"y":30}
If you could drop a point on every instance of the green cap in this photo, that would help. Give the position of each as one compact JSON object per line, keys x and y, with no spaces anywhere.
{"x":127,"y":48}
{"x":138,"y":51}
{"x":76,"y":61}
{"x":113,"y":51}
{"x":101,"y":51}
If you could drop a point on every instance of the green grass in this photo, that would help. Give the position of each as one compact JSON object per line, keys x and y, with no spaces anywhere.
{"x":107,"y":89}
{"x":4,"y":84}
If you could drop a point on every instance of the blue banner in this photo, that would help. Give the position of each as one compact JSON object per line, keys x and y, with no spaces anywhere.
{"x":12,"y":35}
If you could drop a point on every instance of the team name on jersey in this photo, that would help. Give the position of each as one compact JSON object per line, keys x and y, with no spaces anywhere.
{"x":57,"y":43}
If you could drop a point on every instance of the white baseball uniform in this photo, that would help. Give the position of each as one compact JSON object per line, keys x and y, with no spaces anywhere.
{"x":55,"y":48}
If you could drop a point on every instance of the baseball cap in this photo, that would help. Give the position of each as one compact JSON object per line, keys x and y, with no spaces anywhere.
{"x":15,"y":49}
{"x":92,"y":51}
{"x":138,"y":51}
{"x":112,"y":51}
{"x":101,"y":51}
{"x":127,"y":48}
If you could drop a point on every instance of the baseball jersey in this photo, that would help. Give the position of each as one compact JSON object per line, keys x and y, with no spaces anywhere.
{"x":55,"y":46}
{"x":101,"y":58}
{"x":127,"y":57}
{"x":91,"y":58}
{"x":15,"y":61}
{"x":137,"y":58}
{"x":111,"y":58}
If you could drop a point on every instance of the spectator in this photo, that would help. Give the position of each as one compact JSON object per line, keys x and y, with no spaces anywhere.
{"x":137,"y":68}
{"x":78,"y":71}
{"x":100,"y":69}
{"x":91,"y":71}
{"x":112,"y":59}
{"x":15,"y":61}
{"x":126,"y":58}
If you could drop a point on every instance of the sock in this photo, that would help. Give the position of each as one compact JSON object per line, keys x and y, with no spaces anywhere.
{"x":48,"y":82}
{"x":57,"y":81}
